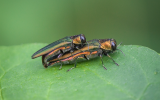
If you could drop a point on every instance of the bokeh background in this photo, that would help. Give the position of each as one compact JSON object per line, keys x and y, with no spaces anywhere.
{"x":134,"y":22}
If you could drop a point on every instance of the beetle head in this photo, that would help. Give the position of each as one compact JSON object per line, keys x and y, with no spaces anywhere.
{"x":78,"y":39}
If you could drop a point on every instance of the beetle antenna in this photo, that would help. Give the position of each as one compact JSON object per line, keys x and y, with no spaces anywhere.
{"x":119,"y":44}
{"x":121,"y":51}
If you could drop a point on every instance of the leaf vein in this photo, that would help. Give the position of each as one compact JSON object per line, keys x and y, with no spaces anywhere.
{"x":1,"y":86}
{"x":140,"y":67}
{"x":130,"y":95}
{"x":144,"y":91}
{"x":48,"y":91}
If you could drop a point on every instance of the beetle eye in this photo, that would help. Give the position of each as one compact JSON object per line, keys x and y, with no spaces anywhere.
{"x":114,"y":46}
{"x":83,"y":39}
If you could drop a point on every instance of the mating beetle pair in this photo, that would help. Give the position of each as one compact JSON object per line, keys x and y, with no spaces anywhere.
{"x":75,"y":49}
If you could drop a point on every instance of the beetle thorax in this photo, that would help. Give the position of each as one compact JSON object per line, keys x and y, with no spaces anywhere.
{"x":77,"y":40}
{"x":106,"y":45}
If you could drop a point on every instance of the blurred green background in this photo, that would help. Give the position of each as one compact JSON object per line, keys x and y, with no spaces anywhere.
{"x":44,"y":21}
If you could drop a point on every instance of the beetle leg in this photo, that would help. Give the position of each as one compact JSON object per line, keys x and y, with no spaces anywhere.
{"x":112,"y":59}
{"x":74,"y":65}
{"x":60,"y":66}
{"x":60,"y":60}
{"x":72,"y":45}
{"x":102,"y":61}
{"x":79,"y":49}
{"x":76,"y":62}
{"x":86,"y":57}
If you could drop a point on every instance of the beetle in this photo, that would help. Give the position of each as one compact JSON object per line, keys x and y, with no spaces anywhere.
{"x":97,"y":47}
{"x":59,"y":47}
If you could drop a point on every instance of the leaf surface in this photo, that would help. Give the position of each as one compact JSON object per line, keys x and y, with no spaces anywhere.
{"x":137,"y":77}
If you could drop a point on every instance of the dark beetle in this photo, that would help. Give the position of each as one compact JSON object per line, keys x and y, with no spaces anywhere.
{"x":59,"y":47}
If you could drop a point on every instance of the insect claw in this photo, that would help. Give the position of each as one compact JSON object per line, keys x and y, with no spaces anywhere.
{"x":70,"y":69}
{"x":117,"y":64}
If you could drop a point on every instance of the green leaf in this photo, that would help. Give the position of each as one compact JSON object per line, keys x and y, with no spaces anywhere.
{"x":137,"y":77}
